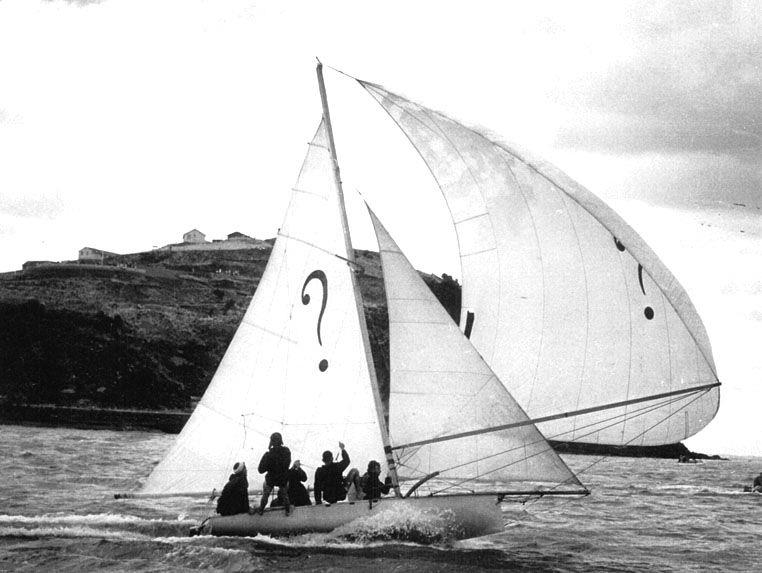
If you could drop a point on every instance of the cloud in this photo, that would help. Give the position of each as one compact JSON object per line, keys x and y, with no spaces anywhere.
{"x":78,"y":2}
{"x":689,"y":81}
{"x":31,"y":207}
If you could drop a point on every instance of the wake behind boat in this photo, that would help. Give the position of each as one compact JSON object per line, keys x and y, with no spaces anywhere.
{"x":457,"y":439}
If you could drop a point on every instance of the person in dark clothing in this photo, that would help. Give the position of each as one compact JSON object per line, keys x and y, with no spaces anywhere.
{"x":274,"y":464}
{"x":297,"y":493}
{"x":370,"y":485}
{"x":329,"y":481}
{"x":757,"y":485}
{"x":235,"y":495}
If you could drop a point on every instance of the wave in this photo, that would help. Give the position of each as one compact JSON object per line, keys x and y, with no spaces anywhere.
{"x":68,"y":532}
{"x":700,"y":490}
{"x":104,"y":525}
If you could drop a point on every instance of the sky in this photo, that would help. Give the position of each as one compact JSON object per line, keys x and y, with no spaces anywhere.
{"x":125,"y":123}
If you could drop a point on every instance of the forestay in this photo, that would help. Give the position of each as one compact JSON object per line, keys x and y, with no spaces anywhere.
{"x":440,"y":386}
{"x":567,"y":304}
{"x":297,"y":363}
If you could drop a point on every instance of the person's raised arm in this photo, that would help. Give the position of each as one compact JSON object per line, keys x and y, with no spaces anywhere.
{"x":344,"y":463}
{"x":387,"y":485}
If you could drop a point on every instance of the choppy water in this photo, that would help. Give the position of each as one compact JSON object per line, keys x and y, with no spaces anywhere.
{"x":57,"y":513}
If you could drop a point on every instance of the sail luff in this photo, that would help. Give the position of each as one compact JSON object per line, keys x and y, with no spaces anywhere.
{"x":390,"y":462}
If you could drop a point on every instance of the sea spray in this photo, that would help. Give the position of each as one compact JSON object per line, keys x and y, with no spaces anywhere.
{"x":402,"y":523}
{"x":106,"y":523}
{"x":69,"y":532}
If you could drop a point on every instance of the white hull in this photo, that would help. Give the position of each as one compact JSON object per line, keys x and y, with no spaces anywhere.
{"x":465,"y":515}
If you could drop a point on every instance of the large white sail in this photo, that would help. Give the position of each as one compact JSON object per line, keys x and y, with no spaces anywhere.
{"x":297,"y":364}
{"x":440,"y":387}
{"x":568,"y":305}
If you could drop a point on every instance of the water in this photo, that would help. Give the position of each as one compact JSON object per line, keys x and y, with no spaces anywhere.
{"x":57,"y":512}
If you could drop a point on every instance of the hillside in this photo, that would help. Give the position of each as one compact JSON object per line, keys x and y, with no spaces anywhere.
{"x":146,"y":332}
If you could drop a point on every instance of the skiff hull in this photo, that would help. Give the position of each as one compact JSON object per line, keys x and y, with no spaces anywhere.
{"x":464,"y":515}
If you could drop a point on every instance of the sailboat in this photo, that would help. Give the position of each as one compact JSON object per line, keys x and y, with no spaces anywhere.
{"x":538,"y":345}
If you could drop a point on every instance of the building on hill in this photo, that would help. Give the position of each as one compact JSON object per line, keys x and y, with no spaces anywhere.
{"x":34,"y":264}
{"x":91,"y":255}
{"x":236,"y":236}
{"x":195,"y":240}
{"x":194,"y":236}
{"x":251,"y":242}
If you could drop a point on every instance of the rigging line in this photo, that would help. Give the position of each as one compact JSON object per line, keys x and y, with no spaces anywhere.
{"x":587,"y":468}
{"x":542,"y":440}
{"x":243,"y":443}
{"x":614,"y":421}
{"x":514,"y":462}
{"x":278,"y":335}
{"x":313,"y":193}
{"x":325,"y":147}
{"x":326,"y":251}
{"x":559,"y":416}
{"x":668,"y":416}
{"x":549,"y":448}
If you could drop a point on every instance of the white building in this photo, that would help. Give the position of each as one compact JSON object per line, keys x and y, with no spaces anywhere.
{"x":89,"y":255}
{"x":194,"y":236}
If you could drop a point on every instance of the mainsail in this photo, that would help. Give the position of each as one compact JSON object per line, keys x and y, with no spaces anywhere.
{"x":567,"y":304}
{"x":297,"y":363}
{"x":441,"y":387}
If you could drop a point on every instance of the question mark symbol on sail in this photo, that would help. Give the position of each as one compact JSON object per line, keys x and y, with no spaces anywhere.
{"x":320,"y":276}
{"x":648,"y":312}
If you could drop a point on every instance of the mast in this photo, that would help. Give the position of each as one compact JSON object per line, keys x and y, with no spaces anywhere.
{"x":358,"y":297}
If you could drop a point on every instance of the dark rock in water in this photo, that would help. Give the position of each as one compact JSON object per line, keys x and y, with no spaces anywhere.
{"x":668,"y":451}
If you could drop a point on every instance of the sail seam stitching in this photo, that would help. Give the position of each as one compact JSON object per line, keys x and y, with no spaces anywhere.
{"x":471,"y":218}
{"x":587,"y":300}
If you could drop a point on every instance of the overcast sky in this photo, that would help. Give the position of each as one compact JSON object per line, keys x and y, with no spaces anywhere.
{"x":125,"y":123}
